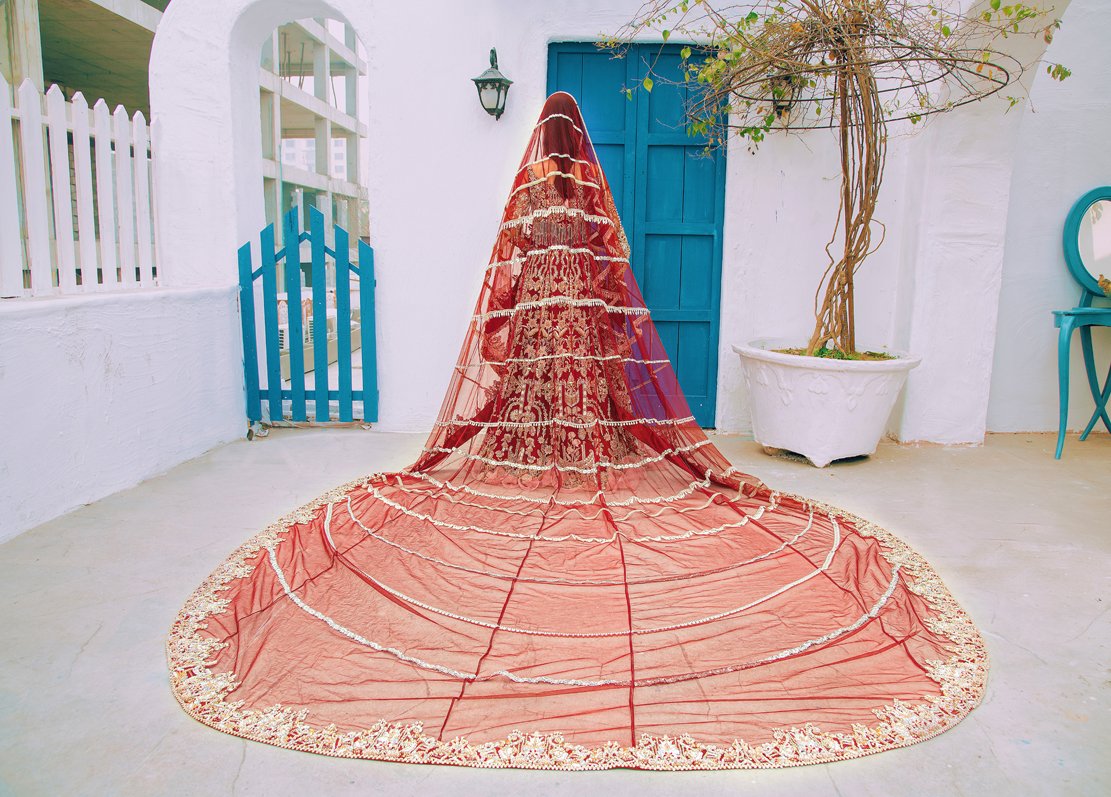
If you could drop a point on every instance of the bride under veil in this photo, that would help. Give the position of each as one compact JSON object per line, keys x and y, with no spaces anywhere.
{"x":571,"y":575}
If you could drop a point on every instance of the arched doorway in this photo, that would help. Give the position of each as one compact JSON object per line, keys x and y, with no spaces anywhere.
{"x":259,"y":119}
{"x":313,"y":130}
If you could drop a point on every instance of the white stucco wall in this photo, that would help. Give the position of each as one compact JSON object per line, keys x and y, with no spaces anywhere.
{"x":101,"y":392}
{"x":440,"y":169}
{"x":1063,"y":152}
{"x":98,"y":393}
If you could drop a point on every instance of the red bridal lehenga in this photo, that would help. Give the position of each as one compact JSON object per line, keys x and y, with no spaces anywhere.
{"x":572,"y":576}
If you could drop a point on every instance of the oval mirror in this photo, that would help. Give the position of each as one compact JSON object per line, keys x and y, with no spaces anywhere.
{"x":1087,"y":239}
{"x":1094,"y":238}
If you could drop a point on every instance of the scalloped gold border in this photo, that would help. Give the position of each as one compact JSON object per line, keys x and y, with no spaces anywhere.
{"x":201,"y":693}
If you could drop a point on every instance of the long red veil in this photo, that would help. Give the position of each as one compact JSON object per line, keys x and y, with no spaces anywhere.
{"x":571,"y":576}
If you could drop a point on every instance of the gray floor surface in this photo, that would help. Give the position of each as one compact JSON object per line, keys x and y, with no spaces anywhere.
{"x":1023,"y":541}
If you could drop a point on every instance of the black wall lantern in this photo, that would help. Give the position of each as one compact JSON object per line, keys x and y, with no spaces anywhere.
{"x":492,"y":87}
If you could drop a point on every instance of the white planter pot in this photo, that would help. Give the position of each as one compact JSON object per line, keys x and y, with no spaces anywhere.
{"x":820,"y":408}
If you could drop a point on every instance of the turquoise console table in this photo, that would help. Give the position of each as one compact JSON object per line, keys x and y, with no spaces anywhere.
{"x":1087,"y":243}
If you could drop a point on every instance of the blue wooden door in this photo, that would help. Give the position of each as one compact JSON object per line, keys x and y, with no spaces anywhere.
{"x":669,"y":193}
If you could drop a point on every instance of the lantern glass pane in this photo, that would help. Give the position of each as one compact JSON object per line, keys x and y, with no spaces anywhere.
{"x":488,"y":96}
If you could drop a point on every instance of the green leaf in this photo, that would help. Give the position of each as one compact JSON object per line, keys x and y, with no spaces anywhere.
{"x":995,"y":5}
{"x":648,"y":84}
{"x":946,"y":31}
{"x":685,"y":53}
{"x":666,"y":35}
{"x":1058,"y":72}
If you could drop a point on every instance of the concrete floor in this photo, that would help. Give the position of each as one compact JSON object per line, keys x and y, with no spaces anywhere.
{"x":1024,"y":542}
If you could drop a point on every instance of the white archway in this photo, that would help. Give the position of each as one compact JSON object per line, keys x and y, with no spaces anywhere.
{"x":426,"y":214}
{"x":204,"y":96}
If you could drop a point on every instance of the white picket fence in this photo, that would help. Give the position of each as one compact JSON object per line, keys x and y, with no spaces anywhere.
{"x":75,"y":196}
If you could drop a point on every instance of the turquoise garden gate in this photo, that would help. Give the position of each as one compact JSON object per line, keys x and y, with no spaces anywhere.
{"x":669,"y":193}
{"x":297,"y":346}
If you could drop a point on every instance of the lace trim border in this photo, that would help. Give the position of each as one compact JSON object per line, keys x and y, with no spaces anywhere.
{"x":640,"y":463}
{"x":557,"y":155}
{"x":572,"y":424}
{"x":555,"y":210}
{"x":543,"y":507}
{"x":594,"y":357}
{"x":692,"y":487}
{"x":559,"y":301}
{"x":202,"y":693}
{"x":544,"y":179}
{"x":558,"y":116}
{"x":574,"y":250}
{"x":686,"y":535}
{"x":836,"y":543}
{"x":871,"y":614}
{"x":581,"y":582}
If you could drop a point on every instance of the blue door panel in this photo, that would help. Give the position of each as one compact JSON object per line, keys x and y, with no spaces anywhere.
{"x":669,"y":335}
{"x":568,"y":73}
{"x":668,"y":192}
{"x":694,"y":348}
{"x":696,"y":287}
{"x":665,"y":184}
{"x":662,"y":281}
{"x":602,"y":107}
{"x":612,"y":159}
{"x":699,"y":182}
{"x":666,"y":107}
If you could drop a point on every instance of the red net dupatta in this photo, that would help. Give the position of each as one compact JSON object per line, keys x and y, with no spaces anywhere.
{"x":571,"y":576}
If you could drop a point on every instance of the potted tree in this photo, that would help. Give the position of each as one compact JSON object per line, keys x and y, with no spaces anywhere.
{"x":852,"y":67}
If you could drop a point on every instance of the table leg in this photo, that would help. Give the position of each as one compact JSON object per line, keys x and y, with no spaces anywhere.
{"x":1064,"y":339}
{"x":1093,"y":381}
{"x":1101,"y":407}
